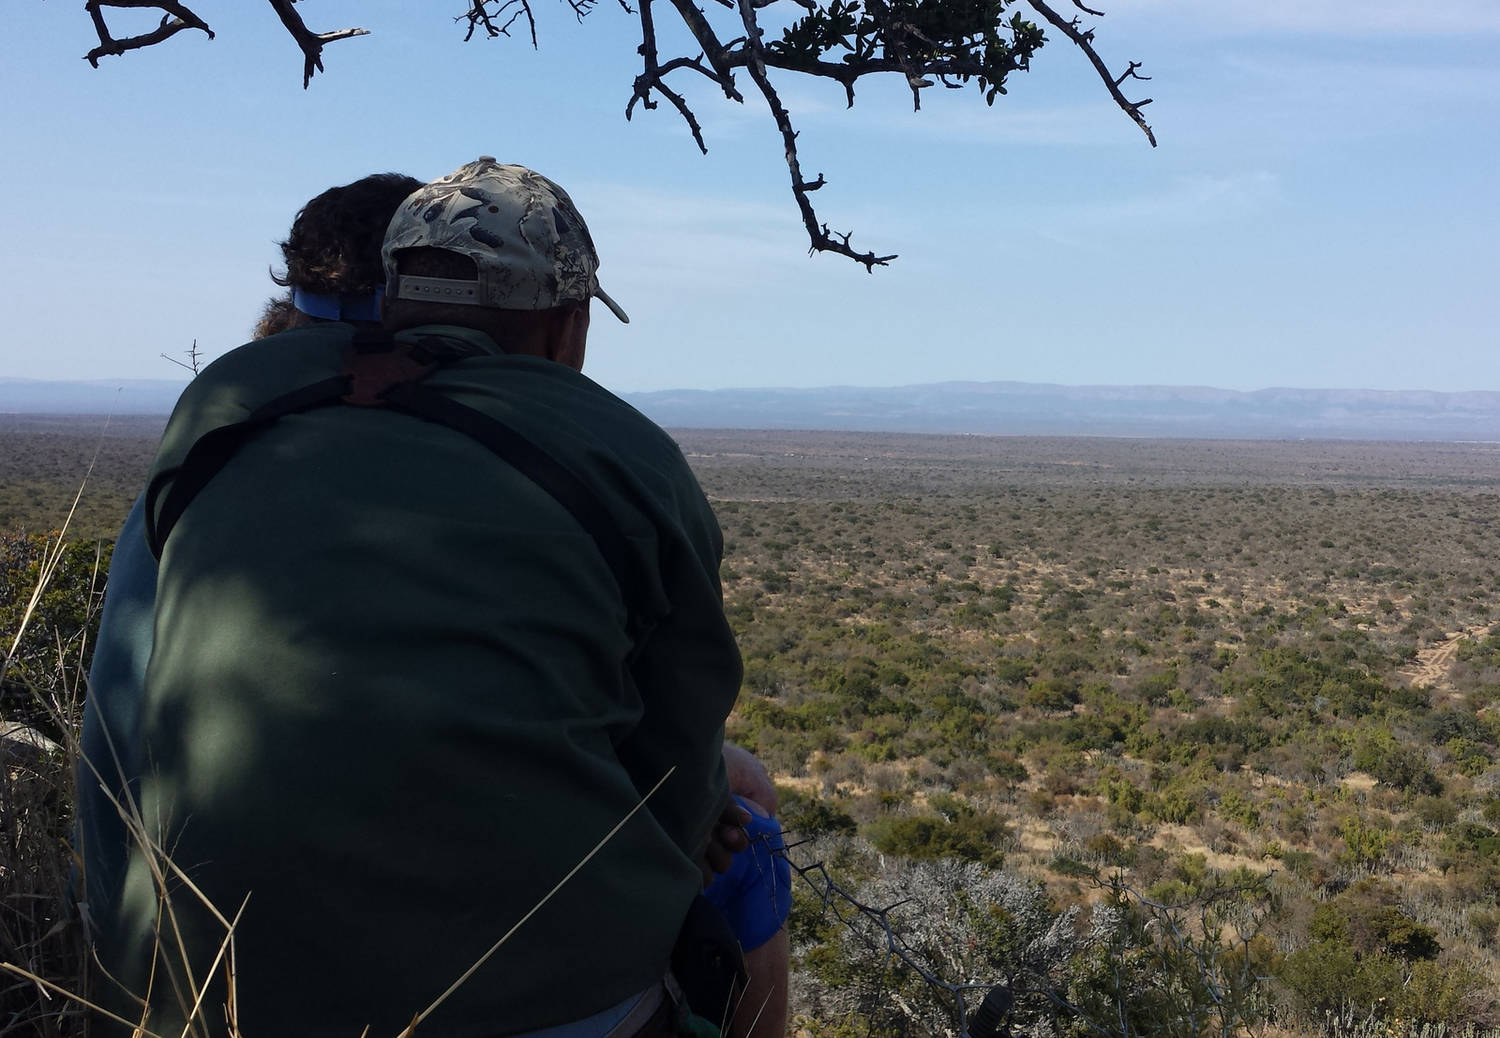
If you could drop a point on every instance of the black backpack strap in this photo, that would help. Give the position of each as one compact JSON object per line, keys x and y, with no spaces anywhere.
{"x":380,"y":372}
{"x":373,"y":363}
{"x":212,"y":451}
{"x":560,"y":482}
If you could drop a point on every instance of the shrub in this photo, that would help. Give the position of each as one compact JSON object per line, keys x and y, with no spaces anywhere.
{"x":813,"y":816}
{"x":43,"y":688}
{"x":1322,"y":978}
{"x":1449,"y":993}
{"x":56,"y":625}
{"x":971,"y":837}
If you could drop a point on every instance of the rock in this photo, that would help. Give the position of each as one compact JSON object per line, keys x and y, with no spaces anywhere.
{"x":20,"y":744}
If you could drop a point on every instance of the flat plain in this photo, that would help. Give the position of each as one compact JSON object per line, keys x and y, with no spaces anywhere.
{"x":45,"y":460}
{"x":1189,"y":664}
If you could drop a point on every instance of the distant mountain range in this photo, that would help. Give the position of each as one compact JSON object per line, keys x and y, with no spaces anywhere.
{"x":1028,"y":409}
{"x":991,"y":408}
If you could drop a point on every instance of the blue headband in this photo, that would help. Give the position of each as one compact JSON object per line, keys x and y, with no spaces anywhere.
{"x":339,"y":308}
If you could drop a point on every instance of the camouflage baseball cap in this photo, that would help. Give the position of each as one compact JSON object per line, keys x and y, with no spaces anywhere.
{"x":521,"y":230}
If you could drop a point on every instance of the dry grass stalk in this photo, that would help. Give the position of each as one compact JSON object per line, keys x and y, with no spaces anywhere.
{"x":35,"y":871}
{"x":39,"y":866}
{"x":36,"y":858}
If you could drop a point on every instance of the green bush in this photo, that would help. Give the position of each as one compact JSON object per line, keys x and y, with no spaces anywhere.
{"x":810,"y":816}
{"x":58,"y":640}
{"x":974,"y":836}
{"x":1322,"y":978}
{"x":1442,"y":994}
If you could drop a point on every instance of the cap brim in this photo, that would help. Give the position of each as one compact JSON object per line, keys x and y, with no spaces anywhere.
{"x":614,"y":307}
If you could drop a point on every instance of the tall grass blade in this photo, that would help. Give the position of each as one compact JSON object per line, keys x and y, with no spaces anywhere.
{"x":406,"y":1033}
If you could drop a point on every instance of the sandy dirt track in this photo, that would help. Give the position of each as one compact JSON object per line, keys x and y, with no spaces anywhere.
{"x":1433,"y":663}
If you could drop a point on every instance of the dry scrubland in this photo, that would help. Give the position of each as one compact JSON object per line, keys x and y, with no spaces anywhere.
{"x":44,"y":460}
{"x":1174,"y":737}
{"x":1194,"y":665}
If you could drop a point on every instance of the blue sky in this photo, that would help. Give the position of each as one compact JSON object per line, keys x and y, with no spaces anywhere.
{"x":1322,"y":209}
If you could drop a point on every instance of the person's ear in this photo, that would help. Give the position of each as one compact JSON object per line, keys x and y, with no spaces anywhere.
{"x":567,"y":335}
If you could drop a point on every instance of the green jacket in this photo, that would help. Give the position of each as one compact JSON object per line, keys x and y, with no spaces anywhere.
{"x":393,"y":700}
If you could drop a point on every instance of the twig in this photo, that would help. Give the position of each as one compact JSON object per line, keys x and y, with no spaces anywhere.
{"x":312,"y":43}
{"x":406,"y":1033}
{"x":1083,"y":39}
{"x":818,"y":234}
{"x":651,"y":78}
{"x":193,"y":363}
{"x":175,"y":18}
{"x":833,"y":897}
{"x":1225,"y":999}
{"x":479,"y":15}
{"x":714,"y":51}
{"x":864,"y":39}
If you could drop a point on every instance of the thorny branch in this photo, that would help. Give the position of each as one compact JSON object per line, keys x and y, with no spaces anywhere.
{"x":898,"y":46}
{"x":1209,"y":980}
{"x":952,"y":43}
{"x":651,"y":79}
{"x":178,"y":16}
{"x":822,"y":240}
{"x":194,"y":362}
{"x":845,"y":908}
{"x":1083,"y":39}
{"x":480,"y":16}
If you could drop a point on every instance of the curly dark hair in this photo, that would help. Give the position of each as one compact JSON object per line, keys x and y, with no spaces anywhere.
{"x":334,"y":244}
{"x":278,"y":316}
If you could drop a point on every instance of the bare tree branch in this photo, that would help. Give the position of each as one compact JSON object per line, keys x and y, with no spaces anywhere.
{"x":1188,"y":964}
{"x":651,"y":78}
{"x":194,"y":362}
{"x":846,"y":908}
{"x":480,"y":16}
{"x":1083,"y":39}
{"x":818,"y":234}
{"x":894,"y":48}
{"x":178,"y":16}
{"x":311,"y":42}
{"x":926,"y":42}
{"x":713,"y":50}
{"x":175,"y":18}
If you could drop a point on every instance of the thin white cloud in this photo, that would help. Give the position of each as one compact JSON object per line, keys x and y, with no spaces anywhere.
{"x":628,"y":207}
{"x":692,"y":241}
{"x":968,"y":120}
{"x":1324,"y":17}
{"x":1311,"y":78}
{"x":1190,"y":202}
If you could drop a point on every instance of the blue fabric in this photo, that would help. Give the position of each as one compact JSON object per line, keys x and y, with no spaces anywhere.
{"x":339,"y":308}
{"x":111,"y":713}
{"x":755,"y":895}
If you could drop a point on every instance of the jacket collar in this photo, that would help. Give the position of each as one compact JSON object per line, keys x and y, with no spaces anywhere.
{"x":466,"y":342}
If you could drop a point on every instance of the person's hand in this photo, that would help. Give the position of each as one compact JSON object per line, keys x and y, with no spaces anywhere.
{"x":727,"y":839}
{"x":748,"y":778}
